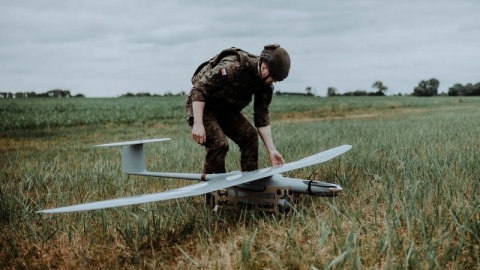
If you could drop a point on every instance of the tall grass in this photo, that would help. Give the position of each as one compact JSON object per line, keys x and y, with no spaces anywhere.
{"x":37,"y":113}
{"x":410,"y":200}
{"x":45,"y":113}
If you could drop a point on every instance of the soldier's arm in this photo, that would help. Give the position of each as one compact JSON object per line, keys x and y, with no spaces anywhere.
{"x":261,"y":106}
{"x":266,"y":136}
{"x":205,"y":85}
{"x":198,"y":130}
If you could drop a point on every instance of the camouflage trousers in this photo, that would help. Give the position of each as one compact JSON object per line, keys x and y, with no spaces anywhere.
{"x":234,"y":125}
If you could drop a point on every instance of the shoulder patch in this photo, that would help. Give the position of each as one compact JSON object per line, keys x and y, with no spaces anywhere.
{"x":223,"y":71}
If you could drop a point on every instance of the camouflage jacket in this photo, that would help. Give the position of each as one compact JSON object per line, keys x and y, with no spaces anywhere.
{"x":228,"y":82}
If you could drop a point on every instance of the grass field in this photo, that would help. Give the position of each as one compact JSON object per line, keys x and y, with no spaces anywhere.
{"x":411,"y":184}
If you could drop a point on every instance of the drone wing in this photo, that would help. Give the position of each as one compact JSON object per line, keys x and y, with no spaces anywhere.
{"x":220,"y":181}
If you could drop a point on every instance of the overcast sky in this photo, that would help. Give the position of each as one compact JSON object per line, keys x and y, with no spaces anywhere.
{"x":110,"y":47}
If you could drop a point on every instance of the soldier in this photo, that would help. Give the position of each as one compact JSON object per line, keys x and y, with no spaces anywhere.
{"x":222,"y":87}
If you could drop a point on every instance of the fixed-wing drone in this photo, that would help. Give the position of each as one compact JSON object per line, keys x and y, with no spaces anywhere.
{"x":241,"y":186}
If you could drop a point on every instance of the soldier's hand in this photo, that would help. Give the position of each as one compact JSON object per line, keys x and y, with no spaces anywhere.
{"x":276,"y":158}
{"x":198,"y":133}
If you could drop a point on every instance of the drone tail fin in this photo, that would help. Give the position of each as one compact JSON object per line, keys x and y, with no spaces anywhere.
{"x":133,"y":159}
{"x":133,"y":155}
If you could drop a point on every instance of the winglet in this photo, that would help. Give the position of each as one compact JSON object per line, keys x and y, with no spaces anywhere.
{"x":133,"y":155}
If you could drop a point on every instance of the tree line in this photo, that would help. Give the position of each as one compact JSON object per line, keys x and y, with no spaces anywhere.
{"x":55,"y":93}
{"x":146,"y":94}
{"x":425,"y":88}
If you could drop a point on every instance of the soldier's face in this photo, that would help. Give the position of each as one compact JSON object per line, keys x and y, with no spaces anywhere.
{"x":265,"y":73}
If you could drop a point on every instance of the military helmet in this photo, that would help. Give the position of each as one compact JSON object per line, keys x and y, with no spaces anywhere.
{"x":278,"y":61}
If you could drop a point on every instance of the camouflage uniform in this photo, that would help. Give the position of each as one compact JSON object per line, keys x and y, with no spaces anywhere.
{"x":227,"y":83}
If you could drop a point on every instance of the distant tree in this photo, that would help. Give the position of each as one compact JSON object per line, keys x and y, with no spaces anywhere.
{"x":419,"y":92}
{"x":20,"y":95}
{"x":378,"y":94}
{"x":308,"y":89}
{"x":58,"y":93}
{"x":427,"y":88}
{"x":468,"y":89}
{"x":6,"y":95}
{"x":379,"y":85}
{"x":464,"y":90}
{"x":476,"y":90}
{"x":359,"y":93}
{"x":472,"y":90}
{"x":331,"y":91}
{"x":456,"y":90}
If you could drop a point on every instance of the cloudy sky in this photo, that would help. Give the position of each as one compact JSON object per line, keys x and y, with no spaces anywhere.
{"x":111,"y":47}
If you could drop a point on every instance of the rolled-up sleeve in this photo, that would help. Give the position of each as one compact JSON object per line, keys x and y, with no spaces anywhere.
{"x":261,"y":106}
{"x":197,"y":94}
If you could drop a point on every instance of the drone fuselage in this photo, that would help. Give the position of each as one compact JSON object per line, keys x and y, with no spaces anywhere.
{"x":299,"y":186}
